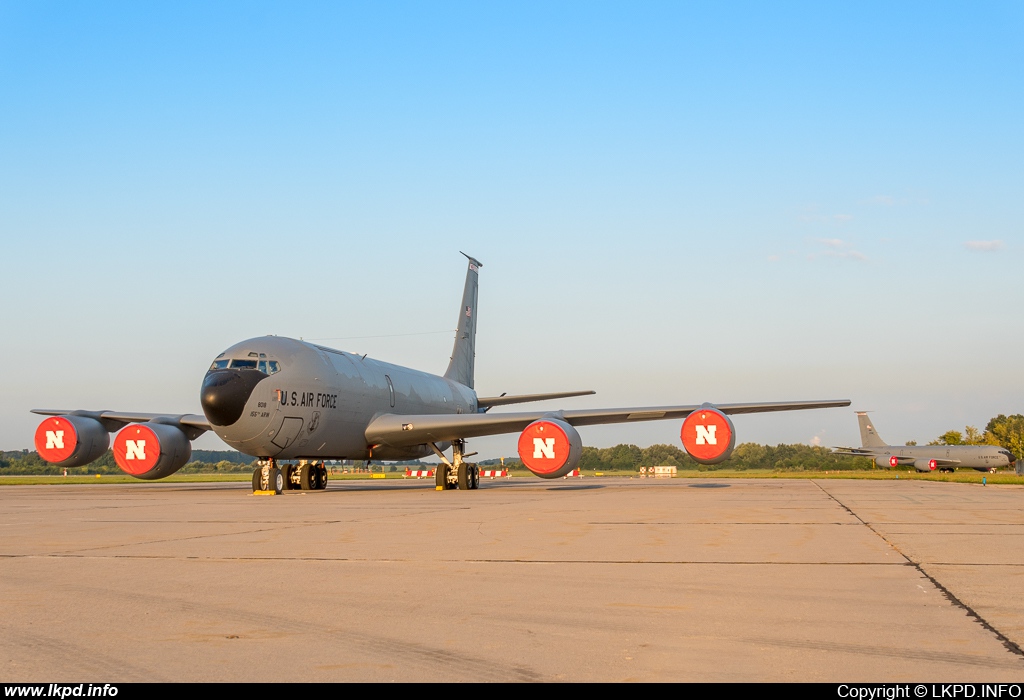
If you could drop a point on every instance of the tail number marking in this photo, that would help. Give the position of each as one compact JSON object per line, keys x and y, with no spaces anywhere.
{"x":134,"y":449}
{"x":706,"y":434}
{"x":55,"y":439}
{"x":543,"y":448}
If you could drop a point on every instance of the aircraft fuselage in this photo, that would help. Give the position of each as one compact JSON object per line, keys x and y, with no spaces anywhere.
{"x":319,"y":402}
{"x":983,"y":457}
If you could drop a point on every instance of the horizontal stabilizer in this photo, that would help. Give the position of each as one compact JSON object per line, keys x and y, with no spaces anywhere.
{"x":492,"y":401}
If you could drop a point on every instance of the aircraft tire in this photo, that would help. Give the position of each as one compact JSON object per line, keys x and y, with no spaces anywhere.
{"x":257,"y":478}
{"x":276,"y":480}
{"x":464,"y":477}
{"x":474,"y":477}
{"x":441,"y":476}
{"x":307,"y":477}
{"x":321,"y":480}
{"x":286,"y":470}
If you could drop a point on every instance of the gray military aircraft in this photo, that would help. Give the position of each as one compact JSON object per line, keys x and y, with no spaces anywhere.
{"x":282,"y":400}
{"x":926,"y":458}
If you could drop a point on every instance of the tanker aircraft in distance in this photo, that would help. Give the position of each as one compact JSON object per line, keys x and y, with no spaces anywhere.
{"x":926,"y":458}
{"x":283,"y":401}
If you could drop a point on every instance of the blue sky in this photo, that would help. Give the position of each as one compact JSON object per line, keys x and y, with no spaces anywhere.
{"x":673,"y":203}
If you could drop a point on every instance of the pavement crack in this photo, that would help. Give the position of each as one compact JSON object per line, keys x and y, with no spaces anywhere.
{"x":1008,"y":643}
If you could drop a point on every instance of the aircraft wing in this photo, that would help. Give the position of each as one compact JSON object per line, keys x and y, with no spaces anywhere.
{"x":404,"y":431}
{"x":185,"y":419}
{"x":853,"y":452}
{"x":902,"y":461}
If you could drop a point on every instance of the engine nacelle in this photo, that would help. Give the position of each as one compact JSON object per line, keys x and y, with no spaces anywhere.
{"x":550,"y":448}
{"x":151,"y":450}
{"x":708,"y":435}
{"x":71,"y":441}
{"x":884,"y":461}
{"x":926,"y":465}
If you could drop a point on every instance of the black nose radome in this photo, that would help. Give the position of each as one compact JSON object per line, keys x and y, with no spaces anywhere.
{"x":225,"y":392}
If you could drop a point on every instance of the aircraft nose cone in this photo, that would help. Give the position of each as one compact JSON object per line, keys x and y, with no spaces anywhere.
{"x":225,"y":393}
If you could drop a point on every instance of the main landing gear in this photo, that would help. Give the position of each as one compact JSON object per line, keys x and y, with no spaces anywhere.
{"x":456,"y":473}
{"x":304,"y":476}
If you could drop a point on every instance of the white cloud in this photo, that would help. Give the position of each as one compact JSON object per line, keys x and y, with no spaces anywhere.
{"x":837,"y":248}
{"x":813,"y":216}
{"x":886,"y":200}
{"x":846,"y":255}
{"x":774,"y":258}
{"x":984,"y":246}
{"x":816,"y":441}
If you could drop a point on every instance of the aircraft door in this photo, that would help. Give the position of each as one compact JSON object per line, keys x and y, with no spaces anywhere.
{"x":289,"y":430}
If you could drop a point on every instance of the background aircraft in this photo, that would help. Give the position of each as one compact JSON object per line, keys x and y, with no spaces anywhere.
{"x":926,"y":458}
{"x":282,"y":399}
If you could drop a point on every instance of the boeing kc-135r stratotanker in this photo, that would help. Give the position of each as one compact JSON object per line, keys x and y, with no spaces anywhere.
{"x":280,"y":399}
{"x":926,"y":458}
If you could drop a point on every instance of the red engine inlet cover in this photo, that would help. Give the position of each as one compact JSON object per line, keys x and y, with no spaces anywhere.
{"x":894,"y":461}
{"x":543,"y":447}
{"x":136,"y":449}
{"x":71,"y":441}
{"x":932,"y":464}
{"x":708,"y":436}
{"x":56,"y":439}
{"x":550,"y":448}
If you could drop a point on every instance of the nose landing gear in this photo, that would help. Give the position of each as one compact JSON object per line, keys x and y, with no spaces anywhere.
{"x":267,"y":478}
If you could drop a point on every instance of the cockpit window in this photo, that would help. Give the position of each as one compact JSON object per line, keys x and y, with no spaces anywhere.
{"x":265,"y":366}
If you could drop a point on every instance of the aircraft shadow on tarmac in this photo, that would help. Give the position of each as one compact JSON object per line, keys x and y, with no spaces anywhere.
{"x":581,"y":487}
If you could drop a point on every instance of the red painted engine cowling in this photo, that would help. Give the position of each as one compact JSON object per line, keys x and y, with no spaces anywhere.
{"x":708,"y":435}
{"x":550,"y":448}
{"x":71,"y":441}
{"x":151,"y":450}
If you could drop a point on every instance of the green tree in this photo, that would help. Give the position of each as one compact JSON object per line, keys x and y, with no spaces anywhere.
{"x":664,"y":455}
{"x":950,"y":437}
{"x":1008,"y":431}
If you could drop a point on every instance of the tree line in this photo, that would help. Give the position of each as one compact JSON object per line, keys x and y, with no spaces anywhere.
{"x":1005,"y":431}
{"x":748,"y":455}
{"x":26,"y":462}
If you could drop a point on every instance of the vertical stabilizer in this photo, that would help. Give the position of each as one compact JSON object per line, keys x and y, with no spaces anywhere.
{"x":460,"y":369}
{"x":868,"y":436}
